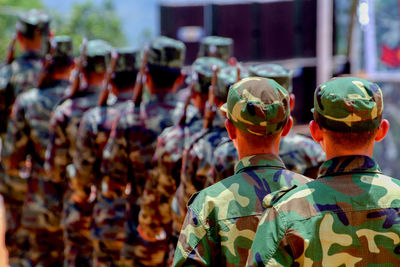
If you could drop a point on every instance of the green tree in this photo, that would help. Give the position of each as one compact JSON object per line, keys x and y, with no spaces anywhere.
{"x":91,"y":21}
{"x":9,"y":10}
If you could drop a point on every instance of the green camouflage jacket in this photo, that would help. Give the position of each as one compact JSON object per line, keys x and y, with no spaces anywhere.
{"x":22,"y":74}
{"x":298,"y":152}
{"x":347,"y":217}
{"x":222,"y":219}
{"x":28,"y":135}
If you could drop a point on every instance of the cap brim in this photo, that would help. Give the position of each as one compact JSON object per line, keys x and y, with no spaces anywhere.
{"x":224,"y":108}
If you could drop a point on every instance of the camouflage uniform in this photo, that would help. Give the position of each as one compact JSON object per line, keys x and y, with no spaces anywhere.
{"x":299,"y":153}
{"x":61,"y":151}
{"x":19,"y":76}
{"x":221,"y":221}
{"x":94,"y":130}
{"x":28,"y":135}
{"x":197,"y":156}
{"x":127,"y":158}
{"x":210,"y":46}
{"x":348,"y":216}
{"x":216,"y":46}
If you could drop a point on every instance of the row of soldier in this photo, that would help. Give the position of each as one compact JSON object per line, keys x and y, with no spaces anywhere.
{"x":99,"y":165}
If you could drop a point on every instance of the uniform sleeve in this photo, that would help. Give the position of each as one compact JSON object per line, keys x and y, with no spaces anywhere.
{"x":86,"y":158}
{"x":17,"y":140}
{"x":6,"y":97}
{"x":115,"y":162}
{"x":269,"y":247}
{"x":195,"y":247}
{"x":57,"y":156}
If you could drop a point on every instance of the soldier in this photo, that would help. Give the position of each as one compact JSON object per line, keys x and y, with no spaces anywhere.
{"x":127,"y":157}
{"x":210,"y":46}
{"x":299,"y":153}
{"x":28,"y":136}
{"x":62,"y":149}
{"x":15,"y":77}
{"x":216,"y":46}
{"x":223,"y":217}
{"x":94,"y":130}
{"x":32,"y":32}
{"x":196,"y":158}
{"x":348,"y":215}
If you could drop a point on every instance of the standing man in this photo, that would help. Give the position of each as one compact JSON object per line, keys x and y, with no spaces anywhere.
{"x":349,"y":214}
{"x":222,"y":219}
{"x":19,"y":75}
{"x":127,"y":157}
{"x":62,"y":149}
{"x":94,"y":130}
{"x":28,"y":136}
{"x":32,"y":33}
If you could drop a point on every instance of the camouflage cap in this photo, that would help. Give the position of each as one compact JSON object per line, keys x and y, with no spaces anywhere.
{"x":33,"y":20}
{"x":166,"y":52}
{"x":226,"y":77}
{"x":216,"y":46}
{"x":202,"y":68}
{"x":258,"y":105}
{"x":64,"y":47}
{"x":273,"y":71}
{"x":128,"y":60}
{"x":98,"y":55}
{"x":348,"y":104}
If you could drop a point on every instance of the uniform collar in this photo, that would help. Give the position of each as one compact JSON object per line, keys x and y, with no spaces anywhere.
{"x":348,"y":164}
{"x":261,"y":160}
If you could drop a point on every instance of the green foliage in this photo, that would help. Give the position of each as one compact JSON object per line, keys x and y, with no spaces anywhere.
{"x":98,"y":21}
{"x":9,"y":10}
{"x":91,"y":21}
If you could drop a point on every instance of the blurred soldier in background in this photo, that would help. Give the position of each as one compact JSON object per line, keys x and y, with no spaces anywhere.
{"x":32,"y":31}
{"x":130,"y":148}
{"x":197,"y":157}
{"x":216,"y":46}
{"x":22,"y":73}
{"x":222,"y":219}
{"x":28,"y":136}
{"x":62,"y":150}
{"x":94,"y":130}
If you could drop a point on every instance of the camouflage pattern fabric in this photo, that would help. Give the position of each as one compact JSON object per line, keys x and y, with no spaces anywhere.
{"x":348,"y":216}
{"x":21,"y":75}
{"x":258,"y":106}
{"x":94,"y":130}
{"x":196,"y":164}
{"x":299,"y":154}
{"x":222,"y":219}
{"x":127,"y":158}
{"x":166,"y":52}
{"x":223,"y":163}
{"x":60,"y":153}
{"x":33,"y":20}
{"x":28,"y":135}
{"x":216,"y":46}
{"x":273,"y":71}
{"x":348,"y":104}
{"x":227,"y":76}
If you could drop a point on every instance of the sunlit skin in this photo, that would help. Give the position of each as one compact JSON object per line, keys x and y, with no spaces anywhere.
{"x":333,"y":149}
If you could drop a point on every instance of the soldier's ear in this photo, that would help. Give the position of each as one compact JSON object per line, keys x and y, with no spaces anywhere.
{"x":287,"y":127}
{"x":292,"y":101}
{"x":316,"y":131}
{"x":231,"y":129}
{"x":382,"y":130}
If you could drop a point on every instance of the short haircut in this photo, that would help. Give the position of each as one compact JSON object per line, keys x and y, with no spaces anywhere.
{"x":124,"y":79}
{"x":163,"y":77}
{"x":352,"y":140}
{"x":258,"y":140}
